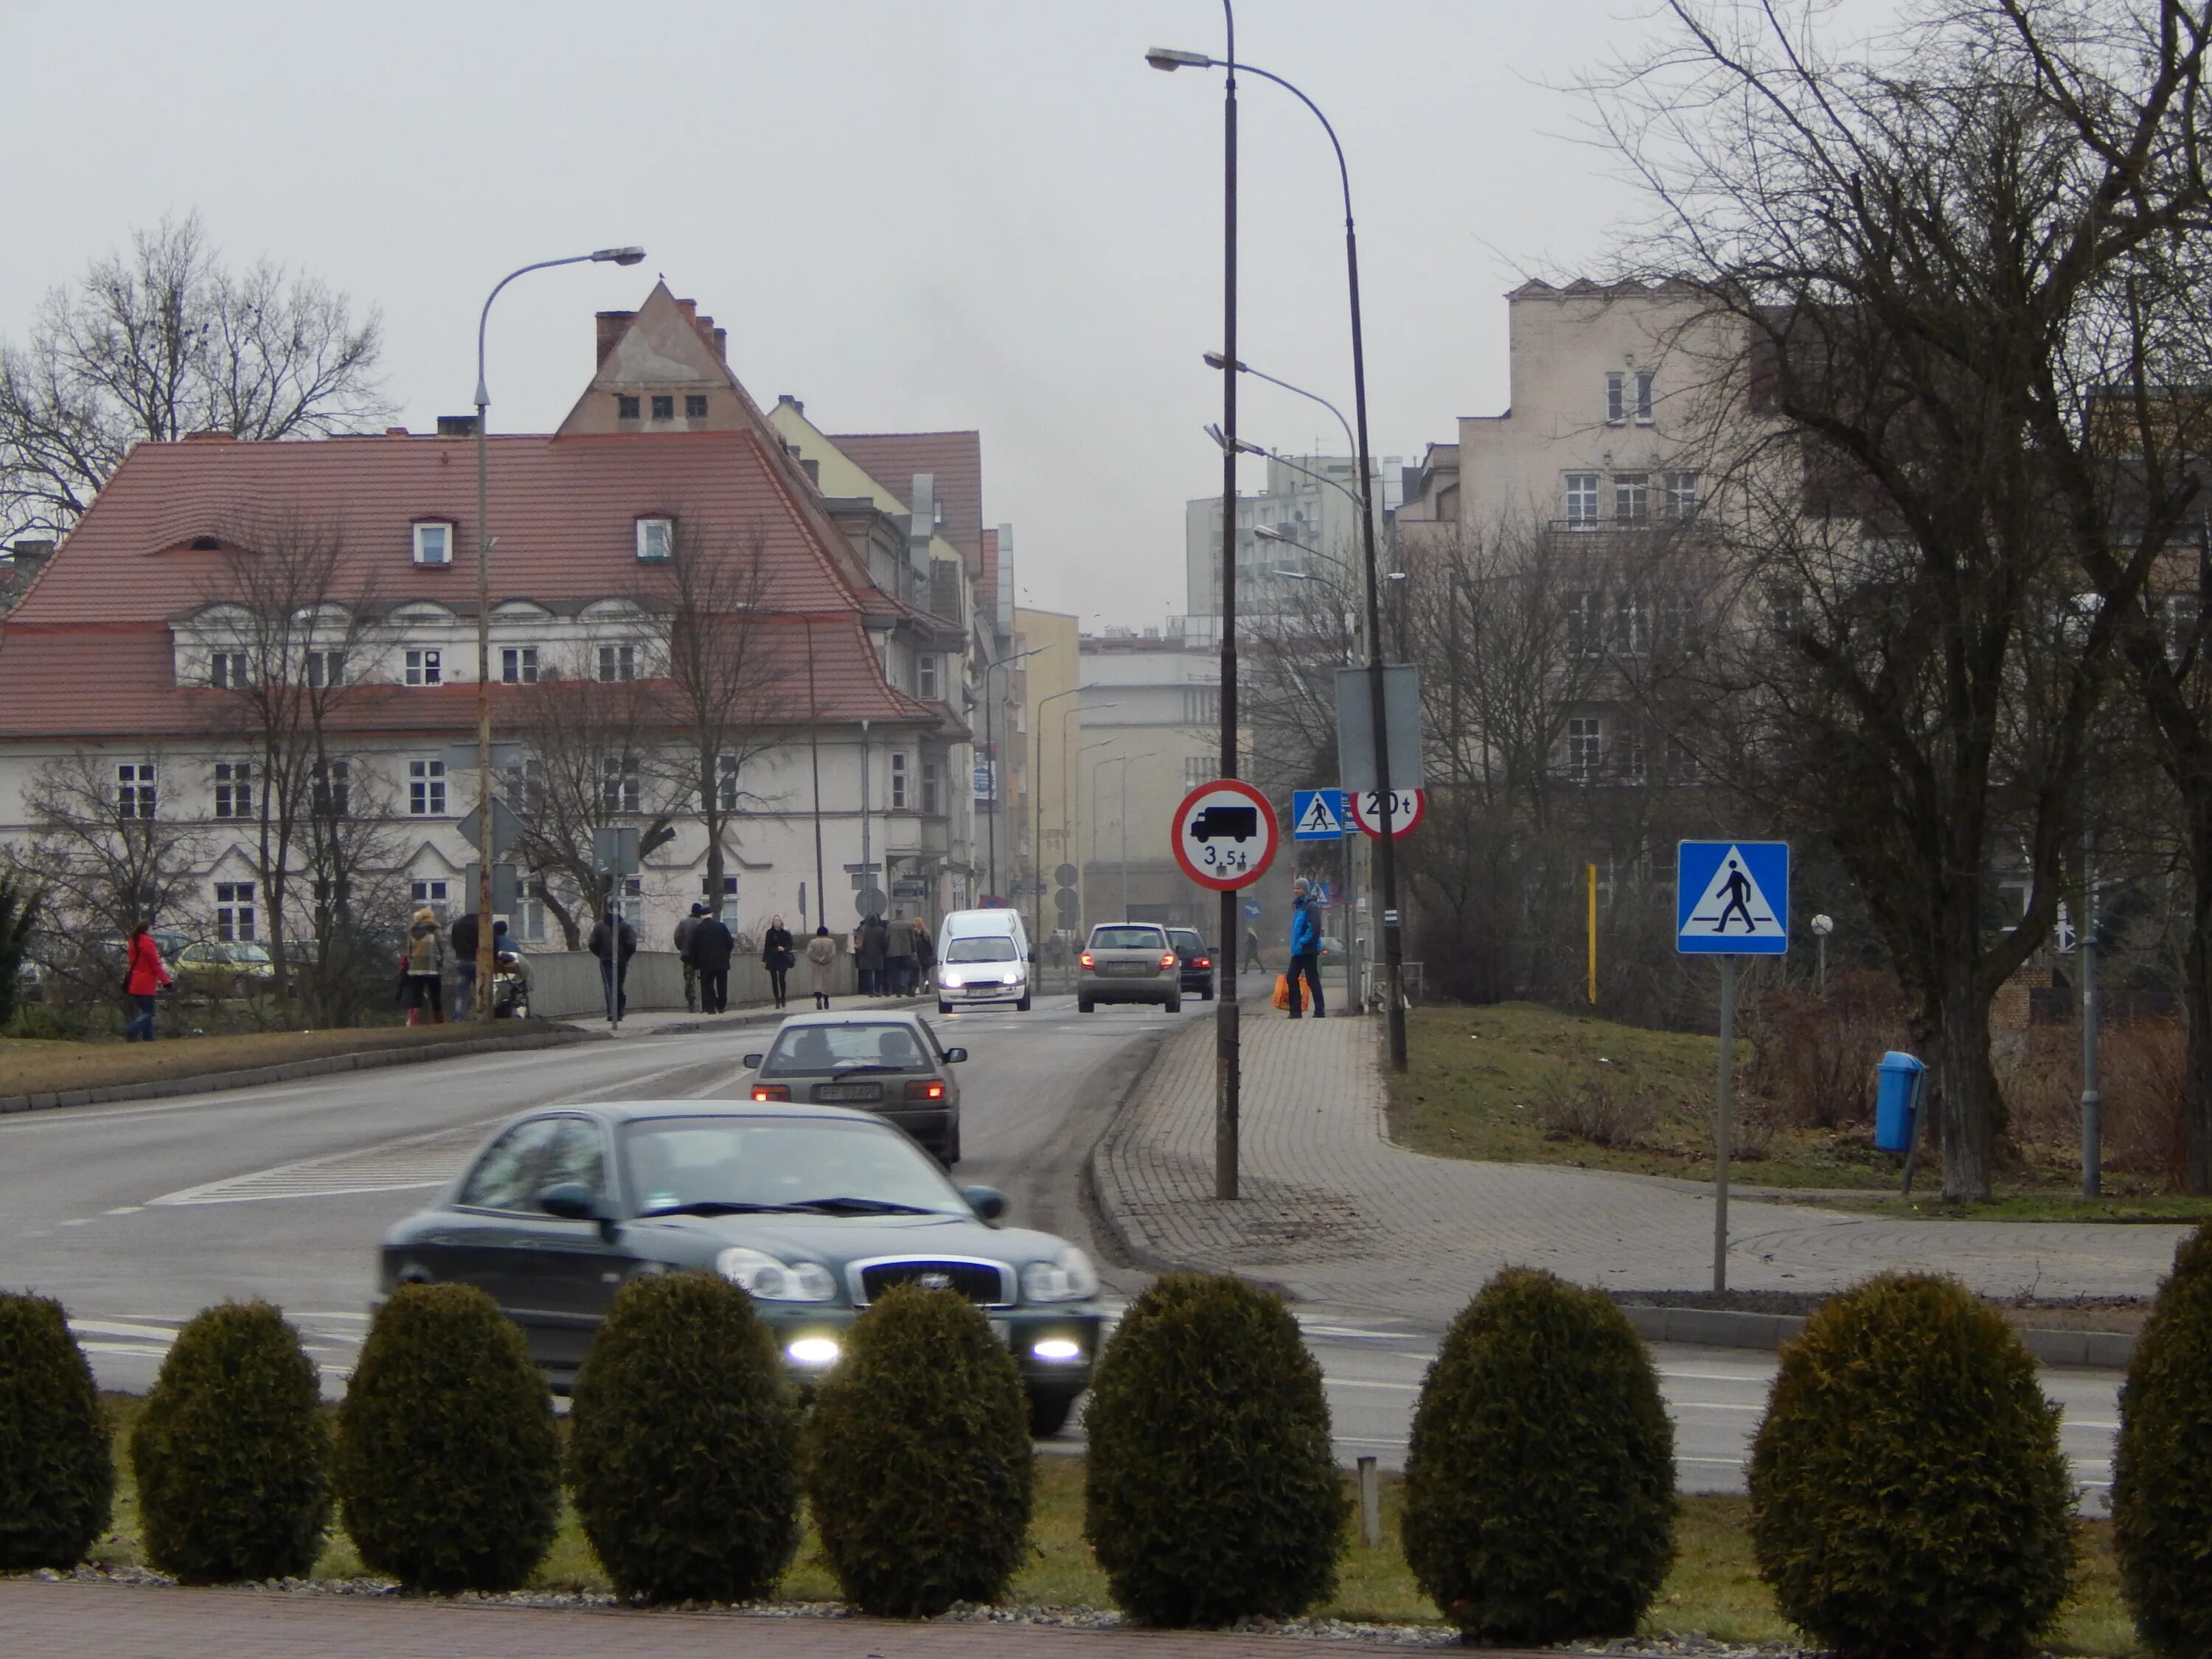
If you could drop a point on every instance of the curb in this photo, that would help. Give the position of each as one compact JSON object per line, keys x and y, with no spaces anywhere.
{"x":1719,"y":1328}
{"x":293,"y":1071}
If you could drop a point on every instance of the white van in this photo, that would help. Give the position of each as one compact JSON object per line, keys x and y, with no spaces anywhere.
{"x":982,"y":956}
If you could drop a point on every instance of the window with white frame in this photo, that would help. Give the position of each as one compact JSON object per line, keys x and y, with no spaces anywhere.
{"x":933,"y":785}
{"x":925,"y":677}
{"x":1634,"y":764}
{"x":332,"y":795}
{"x":1585,"y":635}
{"x":1616,"y":398}
{"x":1678,"y":622}
{"x":1200,"y":768}
{"x":1644,"y":396}
{"x":728,"y":905}
{"x":1202,"y":705}
{"x":323,"y":669}
{"x":426,"y":788}
{"x":234,"y":789}
{"x":526,"y":786}
{"x":136,"y":789}
{"x":620,"y":790}
{"x":898,"y":781}
{"x":426,"y":667}
{"x":234,"y":911}
{"x":1581,"y":499}
{"x":1631,"y":624}
{"x":229,"y":670}
{"x":630,"y":896}
{"x":617,"y":663}
{"x":518,"y":665}
{"x":1631,"y":496}
{"x":1585,"y":747}
{"x":434,"y":543}
{"x":432,"y":893}
{"x":2177,"y":614}
{"x":726,"y":783}
{"x":527,"y":924}
{"x":656,"y":538}
{"x":1681,"y":495}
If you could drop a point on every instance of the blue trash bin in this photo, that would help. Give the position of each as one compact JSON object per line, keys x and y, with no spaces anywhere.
{"x":1896,"y":1101}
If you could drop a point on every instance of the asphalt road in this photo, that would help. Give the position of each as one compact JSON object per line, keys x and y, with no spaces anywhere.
{"x":137,"y":1217}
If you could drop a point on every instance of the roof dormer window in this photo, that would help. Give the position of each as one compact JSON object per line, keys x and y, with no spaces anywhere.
{"x":656,"y":540}
{"x":433,"y":541}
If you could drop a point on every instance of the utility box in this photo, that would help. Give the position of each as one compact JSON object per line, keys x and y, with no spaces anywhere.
{"x":1896,"y":1101}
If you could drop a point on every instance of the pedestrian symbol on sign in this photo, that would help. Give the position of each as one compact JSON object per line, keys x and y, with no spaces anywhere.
{"x":1318,"y":815}
{"x":1733,"y":897}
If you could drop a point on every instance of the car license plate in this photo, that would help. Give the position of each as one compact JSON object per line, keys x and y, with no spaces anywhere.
{"x":848,"y":1091}
{"x":1127,"y":968}
{"x":1002,"y":1332}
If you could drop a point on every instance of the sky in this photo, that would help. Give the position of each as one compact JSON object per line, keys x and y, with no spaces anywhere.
{"x":912,"y":214}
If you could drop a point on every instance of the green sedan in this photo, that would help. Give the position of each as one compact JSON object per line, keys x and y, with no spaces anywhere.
{"x":815,"y":1211}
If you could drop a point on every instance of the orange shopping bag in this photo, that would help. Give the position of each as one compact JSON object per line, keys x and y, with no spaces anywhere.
{"x":1282,"y":998}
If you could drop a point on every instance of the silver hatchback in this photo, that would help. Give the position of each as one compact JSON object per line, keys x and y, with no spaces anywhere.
{"x":1129,"y":962}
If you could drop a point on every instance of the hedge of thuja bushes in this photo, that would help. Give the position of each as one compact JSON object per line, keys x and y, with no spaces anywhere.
{"x":2162,"y":1468}
{"x":57,"y":1471}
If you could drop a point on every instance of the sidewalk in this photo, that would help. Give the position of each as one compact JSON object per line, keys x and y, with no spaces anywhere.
{"x":1336,"y":1214}
{"x":71,"y":1620}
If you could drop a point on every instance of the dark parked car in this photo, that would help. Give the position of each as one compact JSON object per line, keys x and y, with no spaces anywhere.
{"x":1197,"y":958}
{"x":815,"y":1211}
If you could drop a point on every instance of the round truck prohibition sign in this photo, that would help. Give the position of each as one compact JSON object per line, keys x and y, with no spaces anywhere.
{"x":1224,"y":834}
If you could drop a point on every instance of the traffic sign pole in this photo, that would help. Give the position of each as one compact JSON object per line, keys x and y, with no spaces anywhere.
{"x":1725,"y":1126}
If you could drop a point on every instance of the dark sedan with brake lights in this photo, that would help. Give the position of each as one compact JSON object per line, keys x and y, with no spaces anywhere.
{"x":891,"y":1064}
{"x":815,"y":1211}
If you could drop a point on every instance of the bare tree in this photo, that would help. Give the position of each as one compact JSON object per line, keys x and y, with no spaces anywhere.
{"x":162,"y":341}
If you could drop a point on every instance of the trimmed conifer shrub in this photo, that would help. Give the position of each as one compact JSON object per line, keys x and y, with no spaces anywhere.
{"x":1211,"y":1492}
{"x":57,"y":1469}
{"x":1908,"y":1496}
{"x":684,"y":1444}
{"x":2162,"y":1468}
{"x":1539,"y":1481}
{"x":447,"y":1470}
{"x":921,"y":1472}
{"x":233,"y":1451}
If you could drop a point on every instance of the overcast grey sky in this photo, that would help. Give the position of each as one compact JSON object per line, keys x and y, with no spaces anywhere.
{"x":912,"y":213}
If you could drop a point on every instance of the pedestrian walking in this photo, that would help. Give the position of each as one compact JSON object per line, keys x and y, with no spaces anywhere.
{"x":1252,"y":950}
{"x":869,"y":952}
{"x":711,"y":946}
{"x":898,"y":957}
{"x":822,"y":955}
{"x":684,"y":929}
{"x":145,"y":976}
{"x":777,"y":956}
{"x":427,"y":961}
{"x":614,"y":942}
{"x":464,"y":936}
{"x":1306,"y":950}
{"x":925,"y":953}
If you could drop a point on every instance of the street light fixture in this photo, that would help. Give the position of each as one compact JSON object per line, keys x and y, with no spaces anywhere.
{"x":991,"y":746}
{"x":606,"y":256}
{"x":1036,"y":797}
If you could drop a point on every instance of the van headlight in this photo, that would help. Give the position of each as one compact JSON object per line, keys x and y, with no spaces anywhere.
{"x":761,"y":1276}
{"x":1068,"y":1277}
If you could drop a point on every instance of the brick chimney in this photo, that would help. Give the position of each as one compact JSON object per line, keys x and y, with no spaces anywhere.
{"x":613,"y":325}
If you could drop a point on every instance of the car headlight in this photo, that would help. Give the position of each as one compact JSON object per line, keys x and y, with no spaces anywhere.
{"x":1068,"y":1277}
{"x":761,"y":1275}
{"x":951,"y":981}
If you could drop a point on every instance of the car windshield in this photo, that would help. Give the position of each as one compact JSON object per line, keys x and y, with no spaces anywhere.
{"x":986,"y":947}
{"x":734,"y":1165}
{"x":870,"y":1045}
{"x":1126,"y":939}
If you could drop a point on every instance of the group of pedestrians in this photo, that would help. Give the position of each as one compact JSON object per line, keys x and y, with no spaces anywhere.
{"x":894,"y":957}
{"x":438,"y":965}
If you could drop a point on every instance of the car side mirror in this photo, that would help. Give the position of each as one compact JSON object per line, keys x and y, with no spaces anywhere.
{"x":954,"y":1056}
{"x":572,"y":1200}
{"x":988,"y":1202}
{"x":751,"y":1062}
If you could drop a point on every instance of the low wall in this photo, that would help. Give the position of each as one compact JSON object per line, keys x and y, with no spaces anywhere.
{"x":566,"y":985}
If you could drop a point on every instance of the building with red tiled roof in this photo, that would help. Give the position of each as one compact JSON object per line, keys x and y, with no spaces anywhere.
{"x":216,"y":591}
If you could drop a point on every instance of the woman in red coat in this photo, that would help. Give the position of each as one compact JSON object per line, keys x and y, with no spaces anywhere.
{"x":144,"y":974}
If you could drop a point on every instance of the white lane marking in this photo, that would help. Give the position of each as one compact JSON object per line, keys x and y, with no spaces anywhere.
{"x":1364,"y":1382}
{"x":116,"y":1327}
{"x":126,"y":1209}
{"x":81,"y":1221}
{"x":150,"y":1349}
{"x":408,"y":1162}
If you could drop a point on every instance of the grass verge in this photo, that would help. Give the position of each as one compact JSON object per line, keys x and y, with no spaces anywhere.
{"x":1713,"y":1589}
{"x":31,"y":1067}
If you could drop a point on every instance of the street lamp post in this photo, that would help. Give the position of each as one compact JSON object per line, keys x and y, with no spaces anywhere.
{"x":1386,"y":855}
{"x":1122,"y":760}
{"x":1036,"y":808}
{"x":617,"y":255}
{"x":991,"y":748}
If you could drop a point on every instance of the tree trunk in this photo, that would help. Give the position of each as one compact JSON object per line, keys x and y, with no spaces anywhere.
{"x":1967,"y":1091}
{"x":2197,"y":997}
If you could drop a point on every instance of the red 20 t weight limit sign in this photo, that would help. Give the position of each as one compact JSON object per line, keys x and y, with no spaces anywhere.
{"x":1406,"y":807}
{"x":1224,"y":834}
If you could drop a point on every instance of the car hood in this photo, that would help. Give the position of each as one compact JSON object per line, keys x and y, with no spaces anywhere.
{"x":834,"y":1241}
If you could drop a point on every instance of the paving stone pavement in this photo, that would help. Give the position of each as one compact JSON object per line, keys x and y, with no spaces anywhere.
{"x":1336,"y":1215}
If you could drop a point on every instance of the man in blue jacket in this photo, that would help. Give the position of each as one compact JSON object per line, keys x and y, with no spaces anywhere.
{"x":1306,"y":950}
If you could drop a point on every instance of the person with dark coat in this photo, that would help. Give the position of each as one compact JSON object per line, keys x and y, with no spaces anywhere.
{"x":898,"y":957}
{"x":779,"y":959}
{"x":464,"y":936}
{"x":145,"y":976}
{"x":709,"y":947}
{"x":870,"y":953}
{"x":684,"y":929}
{"x":614,"y":942}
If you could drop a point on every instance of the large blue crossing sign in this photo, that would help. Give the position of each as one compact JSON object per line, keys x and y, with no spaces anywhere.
{"x":1732,"y":898}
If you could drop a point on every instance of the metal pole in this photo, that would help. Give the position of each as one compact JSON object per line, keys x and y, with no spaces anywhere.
{"x":991,"y":801}
{"x":2092,"y":1100}
{"x":1593,"y":936}
{"x":814,"y":754}
{"x":864,"y":873}
{"x":1125,"y":841}
{"x":1227,"y":1058}
{"x":1724,"y":1124}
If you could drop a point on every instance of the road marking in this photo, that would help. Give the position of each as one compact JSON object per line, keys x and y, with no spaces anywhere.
{"x":410,"y":1163}
{"x":1363,"y":1382}
{"x":116,"y":1327}
{"x":126,"y":1209}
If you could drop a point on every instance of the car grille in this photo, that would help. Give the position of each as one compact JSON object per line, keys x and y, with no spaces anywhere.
{"x":986,"y":1283}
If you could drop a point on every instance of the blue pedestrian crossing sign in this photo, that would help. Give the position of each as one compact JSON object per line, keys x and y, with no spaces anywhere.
{"x":1732,"y":897}
{"x":1319,"y":814}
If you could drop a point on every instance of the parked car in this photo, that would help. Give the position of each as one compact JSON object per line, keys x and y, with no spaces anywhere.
{"x":1196,"y":956}
{"x":982,"y":956}
{"x":891,"y":1064}
{"x":815,"y":1211}
{"x":1129,"y":962}
{"x":221,"y":967}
